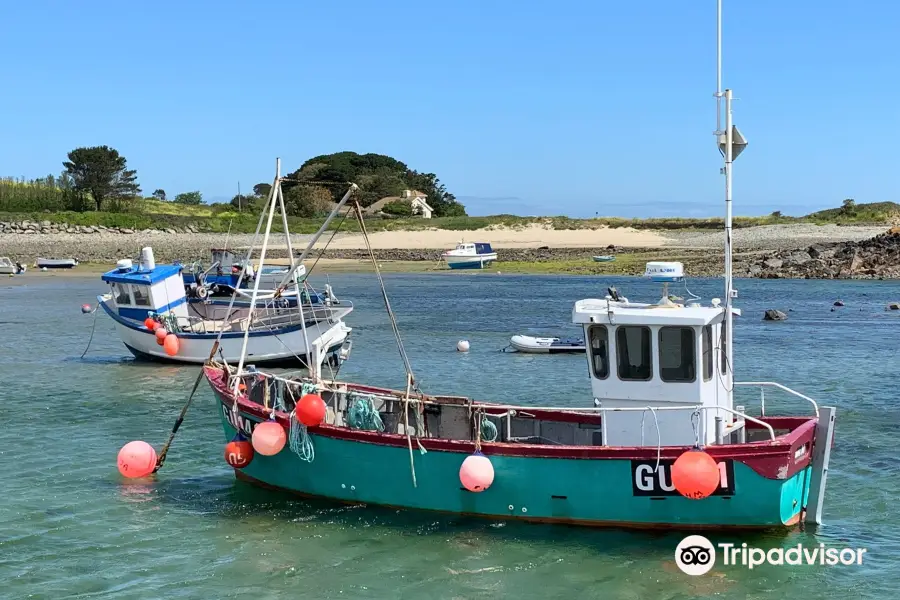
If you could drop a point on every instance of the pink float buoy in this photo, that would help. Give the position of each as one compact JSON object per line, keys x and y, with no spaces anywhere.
{"x":268,"y":438}
{"x":136,"y":459}
{"x":161,"y":336}
{"x":476,"y":473}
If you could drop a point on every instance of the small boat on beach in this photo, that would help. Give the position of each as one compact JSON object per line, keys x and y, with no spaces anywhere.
{"x":8,"y":267}
{"x":659,"y":442}
{"x":56,"y":263}
{"x":469,"y":256}
{"x":604,"y":258}
{"x":546,"y":345}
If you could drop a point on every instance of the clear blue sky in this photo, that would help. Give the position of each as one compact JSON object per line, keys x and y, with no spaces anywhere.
{"x":528,"y":107}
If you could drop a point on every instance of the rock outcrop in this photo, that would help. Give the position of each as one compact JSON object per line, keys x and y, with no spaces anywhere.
{"x":47,"y":227}
{"x":874,"y":258}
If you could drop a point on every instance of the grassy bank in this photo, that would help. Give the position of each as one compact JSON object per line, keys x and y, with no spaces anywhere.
{"x":151,"y":214}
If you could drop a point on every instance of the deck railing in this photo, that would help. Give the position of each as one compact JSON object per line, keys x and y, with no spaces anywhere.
{"x":771,"y":384}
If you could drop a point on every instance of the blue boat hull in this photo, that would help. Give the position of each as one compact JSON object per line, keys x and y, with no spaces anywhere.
{"x":470,"y":265}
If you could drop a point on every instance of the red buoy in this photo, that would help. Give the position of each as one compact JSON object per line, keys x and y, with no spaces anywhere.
{"x":161,"y":336}
{"x":171,"y":344}
{"x":239,"y":452}
{"x":149,"y":323}
{"x":310,"y":410}
{"x":695,"y":474}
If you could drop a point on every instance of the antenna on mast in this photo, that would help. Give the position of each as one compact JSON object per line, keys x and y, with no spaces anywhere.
{"x":718,"y":94}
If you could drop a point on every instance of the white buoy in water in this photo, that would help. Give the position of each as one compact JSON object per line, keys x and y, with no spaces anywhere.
{"x":462,"y":346}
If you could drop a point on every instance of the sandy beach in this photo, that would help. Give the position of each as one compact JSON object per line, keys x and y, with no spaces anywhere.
{"x":109,"y":247}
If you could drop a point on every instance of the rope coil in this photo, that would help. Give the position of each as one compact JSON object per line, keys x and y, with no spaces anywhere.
{"x":361,"y":414}
{"x":300,"y":441}
{"x":488,"y":430}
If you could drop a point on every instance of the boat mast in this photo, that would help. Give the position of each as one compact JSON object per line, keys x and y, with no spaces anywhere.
{"x":313,"y":368}
{"x":273,"y":200}
{"x":727,"y":149}
{"x":718,"y":94}
{"x":730,"y":292}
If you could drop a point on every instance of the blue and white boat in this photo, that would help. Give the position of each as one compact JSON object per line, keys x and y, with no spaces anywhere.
{"x":470,"y":256}
{"x":226,"y":273}
{"x":278,"y":335}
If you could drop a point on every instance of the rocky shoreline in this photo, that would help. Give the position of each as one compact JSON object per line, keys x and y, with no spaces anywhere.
{"x":49,"y":228}
{"x":875,"y":258}
{"x":843,"y":253}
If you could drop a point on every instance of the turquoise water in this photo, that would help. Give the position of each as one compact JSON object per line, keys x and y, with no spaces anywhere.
{"x":70,"y":527}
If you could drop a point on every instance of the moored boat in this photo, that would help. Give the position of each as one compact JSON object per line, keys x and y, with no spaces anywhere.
{"x":278,"y":332}
{"x":545,"y":345}
{"x":8,"y":267}
{"x":469,"y":256}
{"x":604,"y":258}
{"x":227,"y":273}
{"x":661,"y":445}
{"x":56,"y":263}
{"x":155,"y":319}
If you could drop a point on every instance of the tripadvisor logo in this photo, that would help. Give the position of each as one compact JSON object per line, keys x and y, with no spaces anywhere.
{"x":696,"y":555}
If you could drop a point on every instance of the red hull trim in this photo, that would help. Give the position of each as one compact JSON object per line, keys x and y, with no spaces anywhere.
{"x":771,"y":459}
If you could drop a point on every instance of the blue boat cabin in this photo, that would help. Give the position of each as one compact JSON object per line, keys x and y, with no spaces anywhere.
{"x":138,"y":291}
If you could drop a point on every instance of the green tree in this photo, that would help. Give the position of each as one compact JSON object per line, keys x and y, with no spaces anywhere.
{"x":243,"y":202}
{"x":262,"y":189}
{"x":307,"y":201}
{"x":848,"y":207}
{"x":102,"y":172}
{"x":192,"y":198}
{"x":159,"y":194}
{"x":398,"y":208}
{"x":378,"y":176}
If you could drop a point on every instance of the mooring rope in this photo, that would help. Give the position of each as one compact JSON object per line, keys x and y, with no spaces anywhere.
{"x":387,"y":302}
{"x":93,"y":326}
{"x":301,"y":443}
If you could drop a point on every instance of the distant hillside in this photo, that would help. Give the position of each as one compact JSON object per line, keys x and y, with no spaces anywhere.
{"x":850,"y":212}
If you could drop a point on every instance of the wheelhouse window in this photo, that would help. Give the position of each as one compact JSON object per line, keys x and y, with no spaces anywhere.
{"x":121,"y":293}
{"x":677,"y":355}
{"x":599,"y":337}
{"x":633,"y":353}
{"x":707,"y":353}
{"x":141,"y":295}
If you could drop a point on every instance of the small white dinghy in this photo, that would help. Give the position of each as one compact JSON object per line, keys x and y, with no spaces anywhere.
{"x":545,"y":345}
{"x":56,"y":263}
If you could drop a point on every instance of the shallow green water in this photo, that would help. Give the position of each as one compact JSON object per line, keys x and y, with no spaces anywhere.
{"x":70,"y":527}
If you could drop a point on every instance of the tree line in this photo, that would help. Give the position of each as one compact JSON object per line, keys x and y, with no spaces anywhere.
{"x":98,"y":178}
